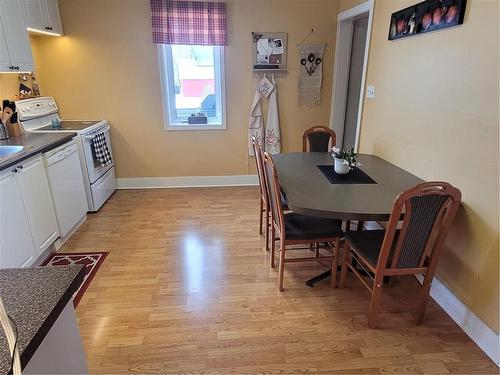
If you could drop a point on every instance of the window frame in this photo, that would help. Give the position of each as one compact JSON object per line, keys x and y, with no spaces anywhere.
{"x":168,"y":97}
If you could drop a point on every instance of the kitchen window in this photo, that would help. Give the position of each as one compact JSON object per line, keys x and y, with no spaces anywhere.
{"x":193,"y":86}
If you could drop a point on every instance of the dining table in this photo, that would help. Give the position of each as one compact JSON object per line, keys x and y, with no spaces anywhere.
{"x":367,"y":193}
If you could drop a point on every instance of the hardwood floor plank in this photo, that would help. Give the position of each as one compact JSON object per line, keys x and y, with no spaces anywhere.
{"x":187,"y":288}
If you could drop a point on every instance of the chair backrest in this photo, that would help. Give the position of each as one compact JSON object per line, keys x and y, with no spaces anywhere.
{"x":428,"y":210}
{"x":319,"y":139}
{"x":274,"y":192}
{"x":259,"y":154}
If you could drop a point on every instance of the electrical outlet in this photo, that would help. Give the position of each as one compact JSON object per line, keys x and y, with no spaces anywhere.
{"x":370,"y":92}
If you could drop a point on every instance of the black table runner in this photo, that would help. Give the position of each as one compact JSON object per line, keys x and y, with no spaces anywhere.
{"x":355,"y":176}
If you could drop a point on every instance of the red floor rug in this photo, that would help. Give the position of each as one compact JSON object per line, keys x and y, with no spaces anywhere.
{"x":91,"y":261}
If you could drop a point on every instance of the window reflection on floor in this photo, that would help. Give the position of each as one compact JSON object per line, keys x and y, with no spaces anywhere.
{"x":203,"y":261}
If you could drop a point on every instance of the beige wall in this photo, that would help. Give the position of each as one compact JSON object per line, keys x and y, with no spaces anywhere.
{"x":436,"y":115}
{"x":9,"y":85}
{"x":107,"y":67}
{"x":348,"y":4}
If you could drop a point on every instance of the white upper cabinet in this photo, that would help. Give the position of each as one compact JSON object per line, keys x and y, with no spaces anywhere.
{"x":15,"y":36}
{"x":54,"y":23}
{"x":42,"y":16}
{"x":33,"y":14}
{"x":4,"y":52}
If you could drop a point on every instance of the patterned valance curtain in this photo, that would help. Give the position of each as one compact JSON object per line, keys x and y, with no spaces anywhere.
{"x":189,"y":22}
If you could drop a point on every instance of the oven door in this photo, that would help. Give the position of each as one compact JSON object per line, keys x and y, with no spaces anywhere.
{"x":94,"y":167}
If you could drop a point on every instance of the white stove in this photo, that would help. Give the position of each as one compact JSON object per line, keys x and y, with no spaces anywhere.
{"x":36,"y":115}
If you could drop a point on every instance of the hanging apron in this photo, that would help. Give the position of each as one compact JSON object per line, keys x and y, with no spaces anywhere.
{"x":255,"y":123}
{"x":272,"y":135}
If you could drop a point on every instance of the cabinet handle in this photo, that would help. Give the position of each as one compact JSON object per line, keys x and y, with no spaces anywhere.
{"x":20,"y":167}
{"x":14,"y":170}
{"x":49,"y":28}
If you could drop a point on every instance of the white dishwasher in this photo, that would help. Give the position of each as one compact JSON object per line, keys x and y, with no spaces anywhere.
{"x":68,"y":190}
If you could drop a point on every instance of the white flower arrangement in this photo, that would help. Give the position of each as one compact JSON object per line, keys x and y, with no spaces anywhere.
{"x":346,"y":154}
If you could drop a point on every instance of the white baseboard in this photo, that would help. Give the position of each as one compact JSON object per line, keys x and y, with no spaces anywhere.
{"x":487,"y":339}
{"x":187,"y":181}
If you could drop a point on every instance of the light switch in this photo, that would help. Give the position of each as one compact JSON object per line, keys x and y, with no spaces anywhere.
{"x":370,"y":92}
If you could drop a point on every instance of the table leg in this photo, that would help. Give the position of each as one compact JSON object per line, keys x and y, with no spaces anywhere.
{"x":315,"y":279}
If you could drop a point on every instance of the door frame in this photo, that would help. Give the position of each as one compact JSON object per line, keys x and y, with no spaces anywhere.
{"x":345,"y":25}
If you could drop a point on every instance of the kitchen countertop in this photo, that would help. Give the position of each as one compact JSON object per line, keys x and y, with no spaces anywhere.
{"x":34,"y":299}
{"x":35,"y":143}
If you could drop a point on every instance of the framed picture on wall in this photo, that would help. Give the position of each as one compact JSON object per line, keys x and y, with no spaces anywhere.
{"x":429,"y":15}
{"x":269,"y":51}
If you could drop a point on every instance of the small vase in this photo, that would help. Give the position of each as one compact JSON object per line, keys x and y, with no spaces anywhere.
{"x":341,"y":166}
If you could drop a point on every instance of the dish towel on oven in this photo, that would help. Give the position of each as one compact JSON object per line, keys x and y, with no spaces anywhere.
{"x":101,"y":151}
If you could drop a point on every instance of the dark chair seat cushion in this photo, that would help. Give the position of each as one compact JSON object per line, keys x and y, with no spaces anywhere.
{"x":368,"y":243}
{"x":302,"y":227}
{"x":284,"y":200}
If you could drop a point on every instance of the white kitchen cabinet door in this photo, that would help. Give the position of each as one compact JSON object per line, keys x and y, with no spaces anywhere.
{"x":16,"y":36}
{"x":4,"y":52}
{"x":37,"y":199}
{"x":54,"y":23}
{"x":42,"y":15}
{"x":34,"y":14}
{"x":16,"y":244}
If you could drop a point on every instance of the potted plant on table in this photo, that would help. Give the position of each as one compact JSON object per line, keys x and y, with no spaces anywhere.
{"x":345,"y":160}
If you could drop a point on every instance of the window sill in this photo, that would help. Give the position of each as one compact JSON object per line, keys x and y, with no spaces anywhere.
{"x":184,"y":127}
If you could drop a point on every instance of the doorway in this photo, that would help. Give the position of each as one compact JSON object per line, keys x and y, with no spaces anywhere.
{"x":351,"y":56}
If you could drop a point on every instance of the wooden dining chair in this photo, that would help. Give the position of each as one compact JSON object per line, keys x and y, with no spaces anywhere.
{"x":264,"y":214}
{"x":296,"y":229}
{"x":318,"y":139}
{"x":427,"y":211}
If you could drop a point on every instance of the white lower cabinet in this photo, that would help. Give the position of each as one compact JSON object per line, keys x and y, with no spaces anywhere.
{"x":34,"y":186}
{"x":28,"y":222}
{"x":16,"y":244}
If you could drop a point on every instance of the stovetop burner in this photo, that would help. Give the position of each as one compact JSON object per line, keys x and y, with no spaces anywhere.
{"x":71,"y":125}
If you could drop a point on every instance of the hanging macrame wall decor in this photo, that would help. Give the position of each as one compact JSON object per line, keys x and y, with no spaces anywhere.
{"x":311,"y":73}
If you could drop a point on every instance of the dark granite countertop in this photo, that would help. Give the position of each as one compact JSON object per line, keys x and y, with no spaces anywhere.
{"x":34,"y":299}
{"x":35,"y":143}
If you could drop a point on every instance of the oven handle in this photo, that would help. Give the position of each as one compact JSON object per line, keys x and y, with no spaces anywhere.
{"x":90,"y":137}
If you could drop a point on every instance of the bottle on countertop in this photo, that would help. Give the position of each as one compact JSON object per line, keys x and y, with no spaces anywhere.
{"x":56,"y":124}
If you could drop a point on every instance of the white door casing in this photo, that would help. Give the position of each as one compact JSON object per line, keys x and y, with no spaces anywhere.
{"x":345,"y":22}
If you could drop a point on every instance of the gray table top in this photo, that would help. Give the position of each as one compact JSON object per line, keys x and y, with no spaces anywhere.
{"x":310,"y":193}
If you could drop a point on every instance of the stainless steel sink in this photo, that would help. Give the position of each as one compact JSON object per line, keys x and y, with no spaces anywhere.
{"x":7,"y":151}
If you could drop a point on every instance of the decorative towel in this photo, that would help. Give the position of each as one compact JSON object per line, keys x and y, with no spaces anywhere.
{"x":100,"y":149}
{"x":273,"y":136}
{"x":256,"y":122}
{"x":311,"y":73}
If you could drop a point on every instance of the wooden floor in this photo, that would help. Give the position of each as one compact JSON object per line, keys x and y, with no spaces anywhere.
{"x":187,"y":288}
